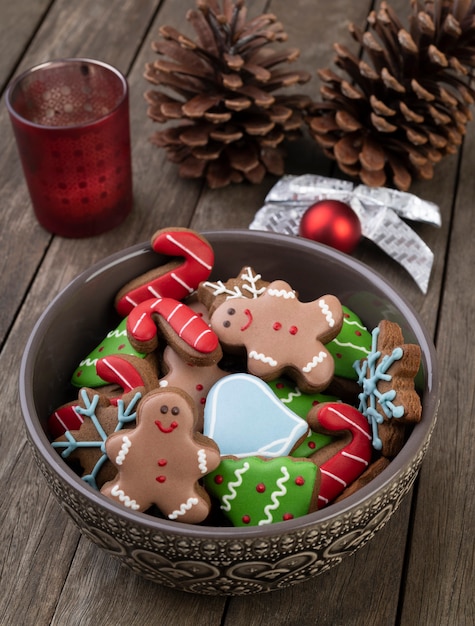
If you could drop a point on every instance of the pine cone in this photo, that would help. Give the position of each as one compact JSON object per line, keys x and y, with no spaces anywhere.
{"x":219,"y":92}
{"x":406,"y":104}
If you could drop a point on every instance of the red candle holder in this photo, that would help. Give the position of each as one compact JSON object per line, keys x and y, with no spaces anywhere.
{"x":71,"y":123}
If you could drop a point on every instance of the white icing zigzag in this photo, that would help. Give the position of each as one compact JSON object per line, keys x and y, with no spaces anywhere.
{"x":292,"y":394}
{"x":124,"y":449}
{"x":326,"y":312}
{"x":203,"y":467}
{"x":117,"y":333}
{"x":126,"y":501}
{"x":258,"y":356}
{"x":186,"y":506}
{"x":226,"y":500}
{"x":281,"y":293}
{"x":348,"y":344}
{"x":316,"y":360}
{"x":88,"y":362}
{"x":275,"y":496}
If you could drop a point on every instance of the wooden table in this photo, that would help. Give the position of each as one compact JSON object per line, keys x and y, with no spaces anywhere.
{"x":420,"y":568}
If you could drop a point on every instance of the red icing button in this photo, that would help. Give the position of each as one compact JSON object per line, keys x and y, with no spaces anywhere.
{"x":199,"y":387}
{"x":161,"y":479}
{"x":293,"y":330}
{"x":121,"y":347}
{"x":260,"y":488}
{"x":276,"y":325}
{"x":287,"y":516}
{"x":299,"y":481}
{"x":246,"y":519}
{"x":162,"y":462}
{"x":218,"y":479}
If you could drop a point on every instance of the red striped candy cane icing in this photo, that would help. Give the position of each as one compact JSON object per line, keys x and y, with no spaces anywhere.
{"x":175,"y":279}
{"x":187,"y":325}
{"x":348,"y":463}
{"x":115,"y":369}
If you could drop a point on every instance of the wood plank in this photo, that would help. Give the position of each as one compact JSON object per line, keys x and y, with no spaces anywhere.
{"x":18,"y":23}
{"x":97,"y":578}
{"x":72,"y":587}
{"x":440,"y":578}
{"x":354,"y":593}
{"x":69,"y":31}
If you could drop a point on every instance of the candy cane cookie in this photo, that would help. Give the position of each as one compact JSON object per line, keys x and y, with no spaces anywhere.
{"x":176,"y":279}
{"x":129,"y":373}
{"x":115,"y":342}
{"x":342,"y":461}
{"x":182,"y":328}
{"x":120,"y":374}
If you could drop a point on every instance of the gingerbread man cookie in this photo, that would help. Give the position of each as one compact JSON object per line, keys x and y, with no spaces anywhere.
{"x":100,"y":418}
{"x":161,"y":461}
{"x":282,"y":335}
{"x":196,"y":380}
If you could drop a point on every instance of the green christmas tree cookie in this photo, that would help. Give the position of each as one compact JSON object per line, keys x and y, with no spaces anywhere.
{"x":115,"y":342}
{"x":301,"y":403}
{"x":352,"y":343}
{"x":254,"y":491}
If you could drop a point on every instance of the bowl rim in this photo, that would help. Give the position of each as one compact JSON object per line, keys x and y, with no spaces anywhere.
{"x":398,"y":465}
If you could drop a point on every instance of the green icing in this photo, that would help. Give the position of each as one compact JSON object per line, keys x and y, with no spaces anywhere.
{"x":352,"y":343}
{"x":301,"y":403}
{"x":115,"y":342}
{"x":253,"y":491}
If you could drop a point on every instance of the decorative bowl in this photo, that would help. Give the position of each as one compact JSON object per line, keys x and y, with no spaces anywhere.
{"x":199,"y":558}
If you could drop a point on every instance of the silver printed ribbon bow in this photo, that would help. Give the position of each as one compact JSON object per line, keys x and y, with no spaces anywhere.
{"x":379,"y":210}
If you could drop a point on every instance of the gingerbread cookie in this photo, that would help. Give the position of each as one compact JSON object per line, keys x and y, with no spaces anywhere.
{"x":253,"y":491}
{"x":352,"y":343}
{"x":388,"y":393}
{"x":247,"y":284}
{"x":162,"y":460}
{"x":301,"y":403}
{"x":179,"y":325}
{"x":129,"y":373}
{"x":348,"y":456}
{"x":115,"y":342}
{"x":175,"y":279}
{"x":245,"y":418}
{"x":85,"y":446}
{"x":124,"y":372}
{"x":366,"y":477}
{"x":282,"y":335}
{"x":196,"y":380}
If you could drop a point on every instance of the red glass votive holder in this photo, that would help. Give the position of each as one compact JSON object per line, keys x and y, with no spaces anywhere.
{"x":71,"y":123}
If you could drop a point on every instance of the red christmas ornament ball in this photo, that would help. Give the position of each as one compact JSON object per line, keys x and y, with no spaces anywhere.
{"x":333,"y":223}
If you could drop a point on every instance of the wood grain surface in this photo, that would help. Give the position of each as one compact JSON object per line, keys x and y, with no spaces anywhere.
{"x":419,"y":569}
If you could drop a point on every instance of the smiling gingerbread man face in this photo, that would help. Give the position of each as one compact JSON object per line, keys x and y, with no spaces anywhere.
{"x":162,"y":459}
{"x":282,"y":335}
